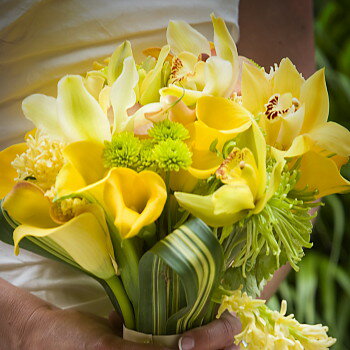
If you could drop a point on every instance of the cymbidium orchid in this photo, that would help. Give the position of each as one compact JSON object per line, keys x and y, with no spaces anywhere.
{"x":244,"y":191}
{"x":195,"y":71}
{"x":293,"y":113}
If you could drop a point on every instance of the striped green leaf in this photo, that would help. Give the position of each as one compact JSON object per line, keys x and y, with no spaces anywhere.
{"x":177,"y":279}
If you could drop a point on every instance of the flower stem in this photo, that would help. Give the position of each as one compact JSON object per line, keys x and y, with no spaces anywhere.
{"x":124,"y":303}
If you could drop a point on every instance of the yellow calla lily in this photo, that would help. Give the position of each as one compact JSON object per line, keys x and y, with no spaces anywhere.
{"x":83,"y":239}
{"x":218,"y":119}
{"x":244,"y":191}
{"x":8,"y":172}
{"x":293,"y":113}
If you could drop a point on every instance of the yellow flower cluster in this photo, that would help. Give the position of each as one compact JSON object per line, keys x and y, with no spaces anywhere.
{"x":263,"y":328}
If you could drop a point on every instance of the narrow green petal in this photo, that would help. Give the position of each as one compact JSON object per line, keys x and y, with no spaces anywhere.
{"x":182,"y":37}
{"x":122,"y":94}
{"x":115,"y":65}
{"x":80,"y":115}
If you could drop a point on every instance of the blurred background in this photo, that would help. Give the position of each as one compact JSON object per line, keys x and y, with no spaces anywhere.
{"x":320,"y":291}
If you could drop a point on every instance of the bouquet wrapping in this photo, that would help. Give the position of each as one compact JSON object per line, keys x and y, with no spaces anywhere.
{"x":180,"y":183}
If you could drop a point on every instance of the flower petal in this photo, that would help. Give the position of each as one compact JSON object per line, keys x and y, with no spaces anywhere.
{"x":182,"y":37}
{"x":189,"y":97}
{"x":152,"y":83}
{"x":116,"y":62}
{"x":83,"y":238}
{"x":27,"y":204}
{"x":332,"y":137}
{"x":255,"y":88}
{"x":80,"y":115}
{"x":134,"y":199}
{"x":122,"y":94}
{"x":321,"y":173}
{"x":8,"y":172}
{"x":287,"y":79}
{"x":223,"y":115}
{"x":300,"y":145}
{"x":42,"y":111}
{"x":314,"y":95}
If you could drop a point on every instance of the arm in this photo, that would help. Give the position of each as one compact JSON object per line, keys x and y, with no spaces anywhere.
{"x":269,"y":31}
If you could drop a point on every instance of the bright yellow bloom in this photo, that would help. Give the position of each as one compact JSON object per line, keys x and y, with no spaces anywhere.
{"x":293,"y":113}
{"x":132,"y":200}
{"x":84,"y":238}
{"x":218,"y":119}
{"x":244,"y":191}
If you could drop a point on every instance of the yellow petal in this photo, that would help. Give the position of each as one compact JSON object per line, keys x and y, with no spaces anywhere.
{"x":300,"y":145}
{"x":27,"y":204}
{"x":83,"y":238}
{"x":182,"y":181}
{"x":116,"y":63}
{"x":94,"y":83}
{"x":189,"y":97}
{"x":204,"y":163}
{"x":182,"y":37}
{"x":315,"y":97}
{"x":178,"y":111}
{"x":287,"y":79}
{"x":255,"y":89}
{"x":122,"y":94}
{"x":223,"y":115}
{"x":332,"y":137}
{"x":80,"y":115}
{"x":8,"y":173}
{"x":321,"y":173}
{"x":134,"y":199}
{"x":69,"y":181}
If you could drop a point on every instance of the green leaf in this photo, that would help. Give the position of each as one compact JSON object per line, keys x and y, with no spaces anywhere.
{"x":194,"y":254}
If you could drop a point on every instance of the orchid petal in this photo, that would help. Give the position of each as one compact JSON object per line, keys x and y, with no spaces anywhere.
{"x":287,"y":79}
{"x":8,"y":172}
{"x":189,"y":97}
{"x":321,"y":173}
{"x":122,"y":95}
{"x":255,"y":88}
{"x":27,"y":204}
{"x":94,"y":84}
{"x":116,"y":63}
{"x":182,"y":37}
{"x":332,"y":137}
{"x":42,"y":111}
{"x":152,"y":83}
{"x":315,"y":97}
{"x":80,"y":115}
{"x":301,"y":144}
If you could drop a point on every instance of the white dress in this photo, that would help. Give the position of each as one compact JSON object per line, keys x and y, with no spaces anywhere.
{"x":42,"y":40}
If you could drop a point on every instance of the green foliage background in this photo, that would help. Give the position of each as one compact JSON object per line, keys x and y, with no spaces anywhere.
{"x":320,"y":291}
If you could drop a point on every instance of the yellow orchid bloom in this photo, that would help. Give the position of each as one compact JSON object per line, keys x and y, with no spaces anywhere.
{"x":132,"y":200}
{"x":293,"y":113}
{"x":244,"y":191}
{"x":195,"y":71}
{"x":83,"y":239}
{"x":219,"y":119}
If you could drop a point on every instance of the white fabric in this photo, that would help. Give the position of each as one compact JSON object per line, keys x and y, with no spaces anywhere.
{"x":42,"y":40}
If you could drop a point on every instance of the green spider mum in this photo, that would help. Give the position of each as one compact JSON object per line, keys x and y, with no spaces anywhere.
{"x":167,"y":129}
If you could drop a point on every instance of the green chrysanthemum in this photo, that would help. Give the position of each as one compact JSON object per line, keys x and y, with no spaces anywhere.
{"x":167,"y":129}
{"x":122,"y":151}
{"x":172,"y":155}
{"x":146,"y":159}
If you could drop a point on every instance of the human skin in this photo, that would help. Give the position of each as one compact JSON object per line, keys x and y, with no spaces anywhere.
{"x":270,"y":30}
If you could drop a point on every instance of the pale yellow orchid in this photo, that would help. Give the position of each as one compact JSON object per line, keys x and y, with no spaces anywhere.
{"x":132,"y":200}
{"x":244,"y":191}
{"x":83,"y":239}
{"x":219,"y":119}
{"x":195,"y":71}
{"x":293,"y":113}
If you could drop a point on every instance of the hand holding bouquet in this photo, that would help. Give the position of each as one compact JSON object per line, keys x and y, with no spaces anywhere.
{"x":181,"y":183}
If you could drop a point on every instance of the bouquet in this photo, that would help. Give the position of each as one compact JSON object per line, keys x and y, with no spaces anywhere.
{"x":181,"y":183}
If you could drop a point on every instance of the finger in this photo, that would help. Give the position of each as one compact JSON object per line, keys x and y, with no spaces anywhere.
{"x":116,"y":323}
{"x":218,"y":334}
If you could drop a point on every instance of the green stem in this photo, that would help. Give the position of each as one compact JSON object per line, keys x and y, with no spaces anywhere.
{"x":124,"y":303}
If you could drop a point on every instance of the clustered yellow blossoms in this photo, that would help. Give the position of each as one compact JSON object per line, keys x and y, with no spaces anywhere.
{"x":263,"y":328}
{"x":57,"y":188}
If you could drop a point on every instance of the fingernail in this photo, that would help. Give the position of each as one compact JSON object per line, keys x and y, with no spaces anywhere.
{"x":186,"y":343}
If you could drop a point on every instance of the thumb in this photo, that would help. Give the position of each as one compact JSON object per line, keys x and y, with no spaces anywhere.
{"x":218,"y":334}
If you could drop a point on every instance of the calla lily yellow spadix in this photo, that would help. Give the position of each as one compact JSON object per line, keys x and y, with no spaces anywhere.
{"x":293,"y":113}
